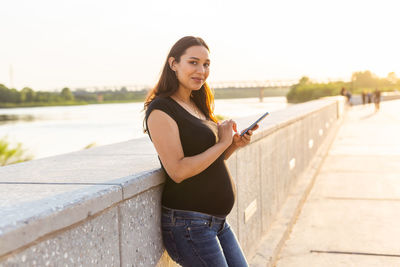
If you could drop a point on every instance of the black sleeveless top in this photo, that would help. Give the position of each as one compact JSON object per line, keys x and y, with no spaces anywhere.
{"x":212,"y":191}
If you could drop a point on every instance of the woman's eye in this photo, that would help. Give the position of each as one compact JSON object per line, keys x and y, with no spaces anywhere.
{"x":207,"y":65}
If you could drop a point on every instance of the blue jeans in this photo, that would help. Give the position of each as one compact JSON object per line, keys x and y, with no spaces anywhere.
{"x":198,"y":239}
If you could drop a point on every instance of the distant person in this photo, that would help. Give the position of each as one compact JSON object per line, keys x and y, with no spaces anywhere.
{"x":343,"y":91}
{"x":364,"y":96}
{"x":192,"y":147}
{"x":348,"y":95}
{"x":369,"y":97}
{"x":377,"y":99}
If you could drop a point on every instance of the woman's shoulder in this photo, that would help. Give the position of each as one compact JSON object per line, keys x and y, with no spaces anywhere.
{"x":161,"y":103}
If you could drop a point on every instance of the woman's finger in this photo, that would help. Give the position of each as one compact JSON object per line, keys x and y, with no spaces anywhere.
{"x":235,"y":127}
{"x":255,"y":127}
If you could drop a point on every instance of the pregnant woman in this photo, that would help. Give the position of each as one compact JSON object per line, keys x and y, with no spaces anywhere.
{"x":192,"y":147}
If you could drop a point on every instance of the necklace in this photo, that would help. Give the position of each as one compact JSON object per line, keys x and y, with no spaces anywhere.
{"x":192,"y":108}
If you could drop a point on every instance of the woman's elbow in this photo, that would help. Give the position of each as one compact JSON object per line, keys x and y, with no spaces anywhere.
{"x":177,"y":178}
{"x":176,"y":171}
{"x":176,"y":175}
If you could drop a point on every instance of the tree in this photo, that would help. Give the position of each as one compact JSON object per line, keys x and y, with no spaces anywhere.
{"x":66,"y":94}
{"x":3,"y":93}
{"x":27,"y":95}
{"x":392,"y":78}
{"x":304,"y":80}
{"x":14,"y":96}
{"x":364,"y":79}
{"x":9,"y":95}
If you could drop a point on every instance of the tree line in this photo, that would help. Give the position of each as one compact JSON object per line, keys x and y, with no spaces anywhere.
{"x":306,"y":90}
{"x":28,"y":97}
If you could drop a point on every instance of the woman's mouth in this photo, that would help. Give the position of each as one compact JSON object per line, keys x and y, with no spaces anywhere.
{"x":198,"y":80}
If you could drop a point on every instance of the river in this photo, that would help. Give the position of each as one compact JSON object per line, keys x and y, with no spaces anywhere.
{"x":49,"y":131}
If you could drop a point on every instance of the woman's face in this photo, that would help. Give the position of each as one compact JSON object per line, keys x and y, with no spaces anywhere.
{"x":193,"y":67}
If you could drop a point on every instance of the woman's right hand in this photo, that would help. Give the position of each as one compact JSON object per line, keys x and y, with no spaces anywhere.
{"x":225,"y":132}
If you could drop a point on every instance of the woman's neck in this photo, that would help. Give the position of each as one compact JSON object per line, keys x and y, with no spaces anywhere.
{"x":183,"y":95}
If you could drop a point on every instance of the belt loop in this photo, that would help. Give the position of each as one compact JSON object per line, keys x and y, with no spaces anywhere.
{"x":173,"y":219}
{"x":212,"y":221}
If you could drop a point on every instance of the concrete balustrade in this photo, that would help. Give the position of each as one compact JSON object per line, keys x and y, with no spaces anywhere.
{"x":102,"y":205}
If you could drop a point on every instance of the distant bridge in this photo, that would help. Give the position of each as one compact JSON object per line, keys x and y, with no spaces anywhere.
{"x":254,"y":84}
{"x":224,"y":84}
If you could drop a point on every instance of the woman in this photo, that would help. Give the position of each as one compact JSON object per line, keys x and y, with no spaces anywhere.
{"x":192,"y":147}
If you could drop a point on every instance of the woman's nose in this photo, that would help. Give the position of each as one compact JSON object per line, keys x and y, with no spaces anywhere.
{"x":201,"y":69}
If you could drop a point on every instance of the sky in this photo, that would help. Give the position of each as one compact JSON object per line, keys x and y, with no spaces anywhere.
{"x":51,"y":44}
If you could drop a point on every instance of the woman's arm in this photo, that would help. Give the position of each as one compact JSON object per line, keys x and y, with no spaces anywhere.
{"x":165,"y":136}
{"x":229,"y":151}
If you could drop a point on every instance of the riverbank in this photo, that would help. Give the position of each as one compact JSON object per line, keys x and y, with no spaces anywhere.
{"x":68,"y":103}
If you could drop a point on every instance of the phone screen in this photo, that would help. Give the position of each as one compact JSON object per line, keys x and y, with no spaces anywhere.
{"x":254,"y":124}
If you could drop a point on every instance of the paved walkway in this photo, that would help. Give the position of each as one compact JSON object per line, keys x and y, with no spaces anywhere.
{"x":352,"y":215}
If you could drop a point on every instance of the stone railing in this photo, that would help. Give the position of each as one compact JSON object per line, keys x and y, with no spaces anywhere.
{"x":102,"y":205}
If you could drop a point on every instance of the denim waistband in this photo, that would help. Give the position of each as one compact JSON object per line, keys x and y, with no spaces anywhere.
{"x":187,"y":214}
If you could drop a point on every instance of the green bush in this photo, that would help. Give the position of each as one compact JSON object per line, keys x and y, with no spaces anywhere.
{"x":11,"y":155}
{"x":306,"y":90}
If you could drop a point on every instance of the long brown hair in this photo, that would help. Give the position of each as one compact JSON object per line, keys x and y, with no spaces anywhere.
{"x":168,"y":83}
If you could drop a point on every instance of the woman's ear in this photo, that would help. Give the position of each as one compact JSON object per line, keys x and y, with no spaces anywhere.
{"x":171,"y":62}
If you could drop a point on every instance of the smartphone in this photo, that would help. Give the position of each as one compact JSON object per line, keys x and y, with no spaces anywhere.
{"x":254,"y":124}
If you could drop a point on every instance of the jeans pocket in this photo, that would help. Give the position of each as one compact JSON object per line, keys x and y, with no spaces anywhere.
{"x":201,"y":232}
{"x":169,"y":244}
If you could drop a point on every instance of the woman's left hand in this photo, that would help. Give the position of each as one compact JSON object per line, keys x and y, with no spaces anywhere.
{"x":241,"y":141}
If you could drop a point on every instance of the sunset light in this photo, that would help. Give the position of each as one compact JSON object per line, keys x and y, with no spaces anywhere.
{"x":51,"y":44}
